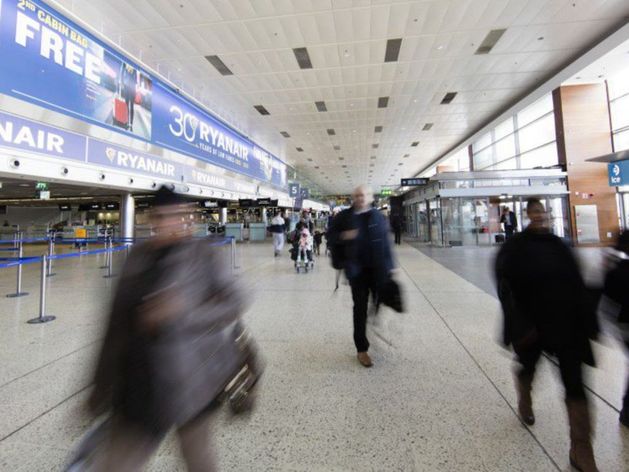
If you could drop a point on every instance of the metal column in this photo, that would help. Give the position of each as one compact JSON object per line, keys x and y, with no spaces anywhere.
{"x":127,"y":216}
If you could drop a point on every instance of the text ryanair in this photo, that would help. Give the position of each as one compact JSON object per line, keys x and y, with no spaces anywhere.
{"x":138,"y":162}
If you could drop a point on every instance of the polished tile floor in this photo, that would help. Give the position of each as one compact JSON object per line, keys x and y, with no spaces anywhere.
{"x":439,"y":398}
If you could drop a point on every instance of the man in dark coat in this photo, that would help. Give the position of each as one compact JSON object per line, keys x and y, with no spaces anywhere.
{"x":546,"y":309}
{"x":161,"y":364}
{"x":617,"y":292}
{"x":396,"y":225}
{"x":360,"y":238}
{"x":510,"y":222}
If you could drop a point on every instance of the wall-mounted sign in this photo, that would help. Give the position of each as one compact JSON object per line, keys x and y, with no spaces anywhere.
{"x":414,"y":182}
{"x":618,"y":173}
{"x":52,"y":62}
{"x":63,"y":207}
{"x":90,"y":207}
{"x":210,"y":204}
{"x":305,"y":193}
{"x":245,"y":203}
{"x":386,"y":192}
{"x":264,"y":202}
{"x":111,"y":206}
{"x":44,"y":195}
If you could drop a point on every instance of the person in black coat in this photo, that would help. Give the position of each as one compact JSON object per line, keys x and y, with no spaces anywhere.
{"x":359,"y":237}
{"x":546,"y":309}
{"x":510,"y":222}
{"x":396,"y":225}
{"x":616,"y":289}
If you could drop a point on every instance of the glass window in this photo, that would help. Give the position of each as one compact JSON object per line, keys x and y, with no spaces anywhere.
{"x":482,"y":142}
{"x":620,"y":112}
{"x":537,"y":133}
{"x":545,"y":156}
{"x":621,"y":141}
{"x":505,"y":148}
{"x":508,"y":164}
{"x":536,"y":110}
{"x":618,"y":85}
{"x":484,"y":159}
{"x":504,"y":129}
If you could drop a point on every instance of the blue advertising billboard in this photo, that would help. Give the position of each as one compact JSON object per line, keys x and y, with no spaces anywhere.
{"x":50,"y":61}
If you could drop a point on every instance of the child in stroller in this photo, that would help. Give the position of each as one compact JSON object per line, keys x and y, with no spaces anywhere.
{"x":301,"y":252}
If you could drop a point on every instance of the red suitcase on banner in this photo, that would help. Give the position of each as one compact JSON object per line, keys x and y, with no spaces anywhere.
{"x":138,"y":98}
{"x":121,"y":114}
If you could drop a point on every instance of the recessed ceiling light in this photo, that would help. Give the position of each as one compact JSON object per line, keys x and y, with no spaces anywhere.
{"x":440,"y":47}
{"x":541,"y":38}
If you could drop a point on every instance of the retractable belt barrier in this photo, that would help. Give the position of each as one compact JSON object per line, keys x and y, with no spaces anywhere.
{"x":46,"y":262}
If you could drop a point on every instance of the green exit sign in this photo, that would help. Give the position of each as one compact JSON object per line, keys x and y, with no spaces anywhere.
{"x":386,"y":192}
{"x":41,"y":186}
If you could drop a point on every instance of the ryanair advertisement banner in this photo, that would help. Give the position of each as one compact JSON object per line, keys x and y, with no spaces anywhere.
{"x":50,"y":61}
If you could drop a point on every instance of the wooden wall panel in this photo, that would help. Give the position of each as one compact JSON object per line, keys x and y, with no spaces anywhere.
{"x":583,"y":132}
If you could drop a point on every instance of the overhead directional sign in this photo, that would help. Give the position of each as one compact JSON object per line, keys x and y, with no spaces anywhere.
{"x":293,"y":190}
{"x":414,"y":182}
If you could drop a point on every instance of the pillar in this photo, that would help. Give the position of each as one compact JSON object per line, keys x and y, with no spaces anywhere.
{"x":583,"y":130}
{"x":223,"y":216}
{"x":127,"y":216}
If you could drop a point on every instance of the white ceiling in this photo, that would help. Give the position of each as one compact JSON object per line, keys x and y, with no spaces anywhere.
{"x":346,"y":40}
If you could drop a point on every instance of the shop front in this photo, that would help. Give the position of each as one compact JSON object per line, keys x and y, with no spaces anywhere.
{"x":464,"y":208}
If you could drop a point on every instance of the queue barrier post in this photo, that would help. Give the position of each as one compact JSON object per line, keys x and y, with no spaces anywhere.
{"x":109,"y":262}
{"x":107,"y":253}
{"x":18,"y":289}
{"x":42,"y":318}
{"x":51,"y":252}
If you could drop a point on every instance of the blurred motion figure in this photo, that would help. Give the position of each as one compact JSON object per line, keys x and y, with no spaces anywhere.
{"x":547,"y":309}
{"x":164,"y":358}
{"x":616,"y":294}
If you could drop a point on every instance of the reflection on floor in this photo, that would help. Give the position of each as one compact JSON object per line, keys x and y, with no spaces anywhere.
{"x":440,"y":397}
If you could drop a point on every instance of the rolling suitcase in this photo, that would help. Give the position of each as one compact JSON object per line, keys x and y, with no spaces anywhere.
{"x":121,"y":113}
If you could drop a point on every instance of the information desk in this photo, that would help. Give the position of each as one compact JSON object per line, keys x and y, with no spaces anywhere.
{"x":234,"y":230}
{"x":257,"y":231}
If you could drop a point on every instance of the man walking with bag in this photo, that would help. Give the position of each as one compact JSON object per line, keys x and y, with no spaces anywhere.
{"x":359,"y":237}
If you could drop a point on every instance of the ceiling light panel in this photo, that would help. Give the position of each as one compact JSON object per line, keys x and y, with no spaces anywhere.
{"x":303,"y":58}
{"x":321,"y":106}
{"x":219,"y":65}
{"x":392,"y":51}
{"x":490,"y":41}
{"x":261,"y":110}
{"x":383,"y":102}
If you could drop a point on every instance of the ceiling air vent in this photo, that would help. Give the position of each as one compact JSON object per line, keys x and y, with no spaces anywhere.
{"x":393,"y":50}
{"x":427,"y":126}
{"x":219,"y":65}
{"x":321,"y":106}
{"x":300,"y":149}
{"x":261,"y":110}
{"x":375,"y":146}
{"x":341,"y":158}
{"x":490,"y":41}
{"x":448,"y":97}
{"x":383,"y":102}
{"x":406,"y":155}
{"x":415,"y":144}
{"x":285,"y":134}
{"x":337,"y":148}
{"x":303,"y":58}
{"x":378,"y":129}
{"x":331,"y":131}
{"x":372,"y":158}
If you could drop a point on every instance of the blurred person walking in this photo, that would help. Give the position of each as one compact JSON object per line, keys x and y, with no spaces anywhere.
{"x":547,"y":309}
{"x":278,"y":225}
{"x":359,"y":237}
{"x":616,"y":299}
{"x":166,"y":350}
{"x":510,"y":222}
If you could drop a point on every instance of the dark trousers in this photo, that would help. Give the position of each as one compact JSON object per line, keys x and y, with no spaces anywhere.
{"x":508,"y":231}
{"x":570,"y":367}
{"x":362,"y":285}
{"x":398,"y":236}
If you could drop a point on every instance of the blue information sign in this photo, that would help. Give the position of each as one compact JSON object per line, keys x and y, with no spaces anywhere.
{"x":294,"y":190}
{"x":52,"y":62}
{"x":618,"y":173}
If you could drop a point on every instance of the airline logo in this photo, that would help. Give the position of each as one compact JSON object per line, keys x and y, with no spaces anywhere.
{"x":616,"y":174}
{"x":129,"y":160}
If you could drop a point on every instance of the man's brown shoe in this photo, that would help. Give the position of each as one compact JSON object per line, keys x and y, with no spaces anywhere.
{"x":364,"y":359}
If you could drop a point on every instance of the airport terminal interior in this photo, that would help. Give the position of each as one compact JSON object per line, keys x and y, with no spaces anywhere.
{"x":207,"y":207}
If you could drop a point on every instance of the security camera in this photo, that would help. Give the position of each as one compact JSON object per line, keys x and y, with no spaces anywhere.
{"x":101,"y":177}
{"x":154,"y":185}
{"x":65,"y":171}
{"x":172,"y":187}
{"x":15,"y":163}
{"x":131,"y":181}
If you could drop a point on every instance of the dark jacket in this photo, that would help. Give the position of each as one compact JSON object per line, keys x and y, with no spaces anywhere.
{"x":541,"y":291}
{"x":617,"y":289}
{"x":163,"y":377}
{"x":514,"y":220}
{"x":344,"y":253}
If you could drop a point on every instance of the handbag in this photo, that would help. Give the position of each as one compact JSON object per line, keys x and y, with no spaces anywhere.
{"x":240,"y":392}
{"x":389,"y":294}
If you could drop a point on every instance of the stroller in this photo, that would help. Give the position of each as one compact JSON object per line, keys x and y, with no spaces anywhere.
{"x":301,"y":251}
